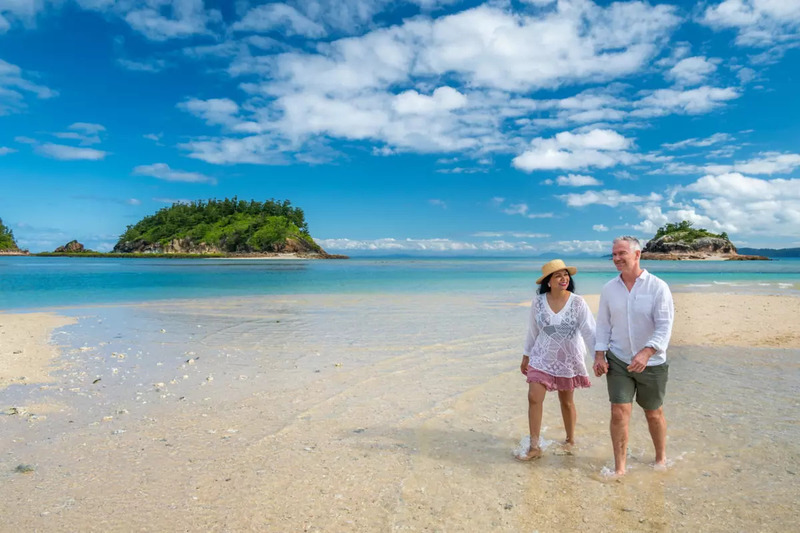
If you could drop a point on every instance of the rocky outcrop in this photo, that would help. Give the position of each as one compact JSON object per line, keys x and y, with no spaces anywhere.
{"x":72,"y":247}
{"x":671,"y":248}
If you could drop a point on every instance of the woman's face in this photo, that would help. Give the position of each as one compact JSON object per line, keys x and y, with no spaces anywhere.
{"x":559,"y":280}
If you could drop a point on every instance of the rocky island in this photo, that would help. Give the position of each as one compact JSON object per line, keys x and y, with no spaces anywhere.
{"x":681,"y":241}
{"x":228,"y":228}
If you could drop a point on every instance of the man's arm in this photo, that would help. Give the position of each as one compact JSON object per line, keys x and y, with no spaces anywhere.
{"x":602,"y":337}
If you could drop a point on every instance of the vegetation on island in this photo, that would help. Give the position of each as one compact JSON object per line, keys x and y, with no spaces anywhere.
{"x":7,"y":242}
{"x":685,"y":232}
{"x":229,"y":226}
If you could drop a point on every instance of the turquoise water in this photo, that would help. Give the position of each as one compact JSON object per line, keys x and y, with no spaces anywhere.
{"x":37,"y":282}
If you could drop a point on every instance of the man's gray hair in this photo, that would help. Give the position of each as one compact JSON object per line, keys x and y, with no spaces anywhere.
{"x":633,"y":241}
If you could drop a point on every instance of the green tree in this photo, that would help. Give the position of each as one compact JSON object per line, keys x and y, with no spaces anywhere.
{"x":7,"y":241}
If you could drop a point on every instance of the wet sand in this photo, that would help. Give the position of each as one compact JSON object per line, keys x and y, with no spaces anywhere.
{"x":388,"y":413}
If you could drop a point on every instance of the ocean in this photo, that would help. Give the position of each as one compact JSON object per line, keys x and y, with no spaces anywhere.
{"x":28,"y":283}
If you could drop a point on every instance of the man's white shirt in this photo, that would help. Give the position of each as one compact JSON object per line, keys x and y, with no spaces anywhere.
{"x":628,"y":321}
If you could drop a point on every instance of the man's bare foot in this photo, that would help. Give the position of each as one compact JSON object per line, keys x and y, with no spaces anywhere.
{"x":531,"y":454}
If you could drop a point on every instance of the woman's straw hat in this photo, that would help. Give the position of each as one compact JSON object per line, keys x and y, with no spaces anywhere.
{"x":554,"y":266}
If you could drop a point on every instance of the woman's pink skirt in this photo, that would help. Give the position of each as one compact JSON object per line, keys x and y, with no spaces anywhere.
{"x":555,"y":383}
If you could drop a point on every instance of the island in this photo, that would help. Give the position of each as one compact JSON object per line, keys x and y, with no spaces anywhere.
{"x":682,"y":241}
{"x":8,"y":245}
{"x":228,"y":228}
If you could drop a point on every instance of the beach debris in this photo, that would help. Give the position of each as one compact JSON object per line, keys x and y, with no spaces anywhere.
{"x":359,"y":430}
{"x":210,"y":378}
{"x":108,"y":418}
{"x":24,"y":469}
{"x":190,"y":361}
{"x":118,"y":432}
{"x":12,"y":411}
{"x":337,"y":365}
{"x":163,"y":330}
{"x":158,"y":386}
{"x":96,"y":381}
{"x":508,"y":506}
{"x":17,"y":352}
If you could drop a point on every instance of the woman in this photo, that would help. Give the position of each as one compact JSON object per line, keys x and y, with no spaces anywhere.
{"x":560,"y":326}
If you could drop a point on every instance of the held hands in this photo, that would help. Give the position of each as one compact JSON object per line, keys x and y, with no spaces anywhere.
{"x":639,"y":362}
{"x":523,"y":367}
{"x":600,"y":364}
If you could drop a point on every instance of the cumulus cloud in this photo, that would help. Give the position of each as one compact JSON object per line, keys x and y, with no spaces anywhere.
{"x":83,"y":132}
{"x":434,"y":85}
{"x":596,"y":148}
{"x":577,"y":180}
{"x":6,"y":150}
{"x":162,"y":171}
{"x":70,"y":153}
{"x":760,"y":23}
{"x":741,"y":205}
{"x":766,"y":163}
{"x":599,"y":227}
{"x":692,"y":70}
{"x":691,"y":102}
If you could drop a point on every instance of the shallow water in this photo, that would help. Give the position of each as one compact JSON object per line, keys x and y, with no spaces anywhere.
{"x":375,"y":412}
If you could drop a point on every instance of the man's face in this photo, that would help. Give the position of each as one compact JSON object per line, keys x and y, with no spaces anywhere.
{"x":623,"y":257}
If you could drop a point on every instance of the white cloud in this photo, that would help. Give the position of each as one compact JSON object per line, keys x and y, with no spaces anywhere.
{"x":741,"y":205}
{"x":84,"y":132}
{"x":610,"y":198}
{"x":15,"y":86}
{"x":70,"y":153}
{"x":162,"y":171}
{"x":599,"y":227}
{"x":707,"y":141}
{"x":759,"y":22}
{"x":577,"y":180}
{"x":522,"y":209}
{"x":692,"y":70}
{"x":597,"y":148}
{"x":767,"y":163}
{"x":442,"y":99}
{"x":4,"y":150}
{"x":438,"y":203}
{"x":691,"y":102}
{"x":396,"y":86}
{"x":279,"y":17}
{"x":150,"y":65}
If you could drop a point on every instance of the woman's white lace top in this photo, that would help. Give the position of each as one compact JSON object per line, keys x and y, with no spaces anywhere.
{"x":556,"y":342}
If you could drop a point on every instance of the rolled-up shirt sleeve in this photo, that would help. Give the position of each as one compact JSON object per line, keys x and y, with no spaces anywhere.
{"x":533,"y":331}
{"x":603,"y":327}
{"x":663,"y":317}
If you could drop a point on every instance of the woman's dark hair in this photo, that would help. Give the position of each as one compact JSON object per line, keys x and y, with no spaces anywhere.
{"x":544,"y":286}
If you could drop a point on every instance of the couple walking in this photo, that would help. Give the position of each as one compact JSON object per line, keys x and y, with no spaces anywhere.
{"x":630,"y":338}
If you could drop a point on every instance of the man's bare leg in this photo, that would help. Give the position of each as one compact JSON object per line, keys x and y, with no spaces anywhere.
{"x":658,"y":431}
{"x":569,"y":414}
{"x":620,"y":417}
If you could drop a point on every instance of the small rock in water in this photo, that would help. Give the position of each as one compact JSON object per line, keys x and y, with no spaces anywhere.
{"x":163,"y":330}
{"x":24,"y":469}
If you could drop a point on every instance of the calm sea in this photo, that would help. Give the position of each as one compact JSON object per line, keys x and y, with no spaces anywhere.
{"x":37,"y":282}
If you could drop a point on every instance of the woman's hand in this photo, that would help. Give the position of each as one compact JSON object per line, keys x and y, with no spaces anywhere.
{"x":523,"y":367}
{"x":600,"y":364}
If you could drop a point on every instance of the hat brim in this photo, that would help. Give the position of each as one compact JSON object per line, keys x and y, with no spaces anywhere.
{"x":571,"y":269}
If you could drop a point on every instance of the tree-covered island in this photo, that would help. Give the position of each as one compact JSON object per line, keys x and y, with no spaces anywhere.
{"x":229,"y":227}
{"x":8,"y":245}
{"x":676,"y":241}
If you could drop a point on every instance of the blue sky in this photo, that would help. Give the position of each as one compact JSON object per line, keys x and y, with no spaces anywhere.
{"x":439,"y":126}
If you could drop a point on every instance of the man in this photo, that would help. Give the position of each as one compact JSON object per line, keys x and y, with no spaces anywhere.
{"x":634,"y":324}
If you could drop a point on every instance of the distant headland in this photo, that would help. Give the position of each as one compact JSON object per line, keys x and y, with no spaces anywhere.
{"x":682,"y":241}
{"x":213,"y":228}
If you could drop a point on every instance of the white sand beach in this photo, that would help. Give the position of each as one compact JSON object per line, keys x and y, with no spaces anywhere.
{"x":381,"y":413}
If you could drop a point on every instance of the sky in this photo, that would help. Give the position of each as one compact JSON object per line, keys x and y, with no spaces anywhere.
{"x":521,"y":127}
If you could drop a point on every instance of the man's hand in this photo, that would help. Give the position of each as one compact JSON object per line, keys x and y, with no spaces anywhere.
{"x":600,"y":364}
{"x":523,"y":367}
{"x":639,"y":362}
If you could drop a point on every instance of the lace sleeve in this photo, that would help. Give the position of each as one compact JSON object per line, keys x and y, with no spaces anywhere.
{"x":533,"y":330}
{"x":588,"y":326}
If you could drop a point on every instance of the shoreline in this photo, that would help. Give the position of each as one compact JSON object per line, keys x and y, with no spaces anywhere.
{"x":368,"y":413}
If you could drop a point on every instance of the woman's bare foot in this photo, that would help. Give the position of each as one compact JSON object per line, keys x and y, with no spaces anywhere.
{"x":531,"y":454}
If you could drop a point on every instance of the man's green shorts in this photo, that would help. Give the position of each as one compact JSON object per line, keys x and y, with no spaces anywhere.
{"x":649,"y":387}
